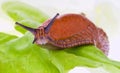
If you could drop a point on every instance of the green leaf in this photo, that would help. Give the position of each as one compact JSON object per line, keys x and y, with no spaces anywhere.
{"x":25,"y":14}
{"x":17,"y":54}
{"x":66,"y":61}
{"x":4,"y":38}
{"x":91,"y":52}
{"x":21,"y":56}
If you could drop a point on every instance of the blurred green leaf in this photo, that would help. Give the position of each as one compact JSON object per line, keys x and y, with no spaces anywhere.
{"x":5,"y":37}
{"x":21,"y":56}
{"x":25,"y":14}
{"x":93,"y":54}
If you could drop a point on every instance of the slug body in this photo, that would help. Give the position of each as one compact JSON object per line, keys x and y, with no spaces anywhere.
{"x":70,"y":30}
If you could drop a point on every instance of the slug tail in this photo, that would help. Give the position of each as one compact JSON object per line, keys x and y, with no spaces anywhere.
{"x":103,"y":42}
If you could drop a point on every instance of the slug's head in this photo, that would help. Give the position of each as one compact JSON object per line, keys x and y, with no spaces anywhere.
{"x":40,"y":34}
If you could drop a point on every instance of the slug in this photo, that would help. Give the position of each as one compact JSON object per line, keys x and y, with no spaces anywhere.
{"x":69,"y":30}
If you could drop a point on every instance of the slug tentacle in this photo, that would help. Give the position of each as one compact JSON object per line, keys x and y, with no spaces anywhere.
{"x":50,"y":23}
{"x":32,"y":30}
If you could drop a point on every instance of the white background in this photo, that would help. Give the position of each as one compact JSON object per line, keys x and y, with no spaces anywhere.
{"x":104,"y":13}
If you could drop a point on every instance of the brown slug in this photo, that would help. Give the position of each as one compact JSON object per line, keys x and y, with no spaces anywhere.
{"x":69,"y":30}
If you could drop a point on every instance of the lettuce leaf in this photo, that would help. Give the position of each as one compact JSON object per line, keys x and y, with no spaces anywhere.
{"x":23,"y":13}
{"x":19,"y":55}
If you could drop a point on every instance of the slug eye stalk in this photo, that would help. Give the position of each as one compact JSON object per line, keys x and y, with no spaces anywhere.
{"x":32,"y":30}
{"x":51,"y":22}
